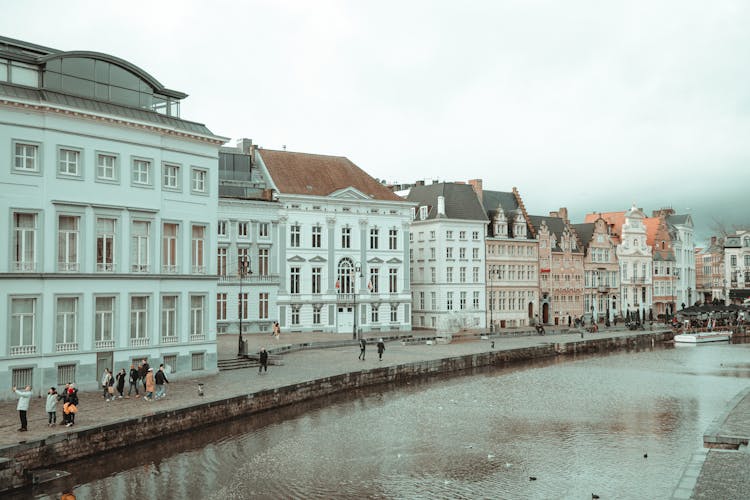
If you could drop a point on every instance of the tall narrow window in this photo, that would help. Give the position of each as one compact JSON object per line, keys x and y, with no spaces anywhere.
{"x":221,"y":261}
{"x":104,"y":319}
{"x":24,"y":241}
{"x":316,"y":279}
{"x":243,"y":261}
{"x":394,"y":313}
{"x":295,"y":314}
{"x":346,"y":237}
{"x":198,"y":246}
{"x":263,"y":261}
{"x":263,"y":305}
{"x":23,"y":326}
{"x":263,"y":230}
{"x":374,"y":238}
{"x":138,"y":321}
{"x":169,"y":319}
{"x":139,"y":246}
{"x":294,"y":280}
{"x":374,"y":284}
{"x":316,"y":236}
{"x":393,"y":280}
{"x":65,"y":324}
{"x":169,"y":248}
{"x":392,"y":239}
{"x":221,"y":228}
{"x":67,"y":243}
{"x":294,"y":235}
{"x":242,"y":229}
{"x":221,"y":306}
{"x":375,"y":313}
{"x":197,"y":317}
{"x":316,"y":314}
{"x":105,"y":245}
{"x":242,"y":306}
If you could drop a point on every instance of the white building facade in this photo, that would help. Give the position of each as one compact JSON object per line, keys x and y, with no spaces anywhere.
{"x":683,"y":244}
{"x":635,"y":259}
{"x":448,"y":257}
{"x":108,"y":203}
{"x":342,"y":246}
{"x":737,"y":266}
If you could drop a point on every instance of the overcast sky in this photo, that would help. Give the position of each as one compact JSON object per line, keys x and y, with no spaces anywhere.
{"x":591,"y":105}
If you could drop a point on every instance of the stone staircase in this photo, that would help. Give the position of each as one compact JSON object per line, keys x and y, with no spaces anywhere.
{"x":237,"y":363}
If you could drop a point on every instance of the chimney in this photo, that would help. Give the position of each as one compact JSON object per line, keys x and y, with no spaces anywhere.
{"x":420,"y":183}
{"x":245,"y":146}
{"x":477,"y":185}
{"x":563,"y":214}
{"x":441,"y":206}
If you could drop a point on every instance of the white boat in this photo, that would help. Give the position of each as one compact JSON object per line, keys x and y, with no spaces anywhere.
{"x":700,"y":337}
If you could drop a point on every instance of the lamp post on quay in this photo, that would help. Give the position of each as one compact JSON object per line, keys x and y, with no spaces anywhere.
{"x":356,"y":274}
{"x":243,"y":269}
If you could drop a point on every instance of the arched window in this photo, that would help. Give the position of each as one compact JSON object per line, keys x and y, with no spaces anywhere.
{"x":345,"y":277}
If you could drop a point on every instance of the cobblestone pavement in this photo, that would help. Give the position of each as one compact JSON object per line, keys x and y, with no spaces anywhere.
{"x":726,"y":473}
{"x":296,"y":366}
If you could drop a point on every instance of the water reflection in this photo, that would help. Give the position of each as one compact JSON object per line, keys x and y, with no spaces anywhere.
{"x":578,"y":425}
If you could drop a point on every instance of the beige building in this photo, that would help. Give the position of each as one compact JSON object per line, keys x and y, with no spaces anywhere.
{"x":601,"y":270}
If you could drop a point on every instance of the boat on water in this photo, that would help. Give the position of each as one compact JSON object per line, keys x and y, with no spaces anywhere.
{"x":700,"y":337}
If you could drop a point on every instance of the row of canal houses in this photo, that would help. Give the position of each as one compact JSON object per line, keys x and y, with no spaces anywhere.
{"x":133,"y":233}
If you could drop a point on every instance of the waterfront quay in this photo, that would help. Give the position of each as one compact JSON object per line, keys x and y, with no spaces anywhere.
{"x":328,"y":364}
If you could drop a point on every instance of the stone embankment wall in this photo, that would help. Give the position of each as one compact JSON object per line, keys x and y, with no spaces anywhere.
{"x":61,"y":448}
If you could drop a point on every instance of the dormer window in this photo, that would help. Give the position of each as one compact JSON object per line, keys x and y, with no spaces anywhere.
{"x":423,"y":212}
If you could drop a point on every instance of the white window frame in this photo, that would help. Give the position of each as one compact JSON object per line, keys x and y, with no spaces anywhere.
{"x":22,"y":345}
{"x":139,"y":320}
{"x":168,"y":326}
{"x":171,"y":176}
{"x":104,"y":167}
{"x":68,"y":244}
{"x":170,"y":248}
{"x":66,"y":338}
{"x":140,"y":247}
{"x":28,"y":155}
{"x":102,"y":319}
{"x":221,"y":306}
{"x":198,"y":249}
{"x":108,"y":243}
{"x":141,"y":172}
{"x":69,"y":162}
{"x":198,"y":180}
{"x":24,"y":237}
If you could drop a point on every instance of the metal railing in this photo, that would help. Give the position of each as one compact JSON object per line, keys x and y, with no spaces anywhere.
{"x":197,"y":337}
{"x":169,"y":340}
{"x":24,"y":266}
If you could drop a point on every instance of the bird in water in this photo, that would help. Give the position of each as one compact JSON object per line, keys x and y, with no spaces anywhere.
{"x":594,"y":496}
{"x":645,"y":455}
{"x":532,"y":478}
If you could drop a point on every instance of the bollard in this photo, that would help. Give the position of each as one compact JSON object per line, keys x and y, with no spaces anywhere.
{"x":200,"y":389}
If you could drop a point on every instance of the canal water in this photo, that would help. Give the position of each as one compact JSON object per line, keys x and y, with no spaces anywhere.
{"x":619,"y":426}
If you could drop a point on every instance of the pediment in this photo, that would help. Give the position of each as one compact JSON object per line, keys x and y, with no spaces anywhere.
{"x":375,"y":260}
{"x":317,"y":258}
{"x":296,"y":258}
{"x":349,"y":193}
{"x":394,"y":261}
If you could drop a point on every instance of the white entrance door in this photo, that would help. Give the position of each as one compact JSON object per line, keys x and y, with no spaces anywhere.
{"x":345,"y":319}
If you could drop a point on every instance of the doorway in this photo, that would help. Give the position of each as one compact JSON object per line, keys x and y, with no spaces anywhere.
{"x":545,"y":313}
{"x":345,"y":319}
{"x":103,"y":360}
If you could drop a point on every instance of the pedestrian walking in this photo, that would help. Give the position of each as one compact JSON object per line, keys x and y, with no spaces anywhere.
{"x":150,"y":385}
{"x":51,"y":407}
{"x":24,"y":397}
{"x":111,"y":387}
{"x":133,"y":381}
{"x":121,"y":375}
{"x":106,"y":376}
{"x":70,"y":408}
{"x":362,"y":348}
{"x":161,"y":379}
{"x":381,"y":348}
{"x":144,"y":373}
{"x":277,"y":331}
{"x":263,"y":358}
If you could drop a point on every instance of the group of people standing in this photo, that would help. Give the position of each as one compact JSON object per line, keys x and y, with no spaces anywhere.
{"x":153,"y":382}
{"x":68,"y":396}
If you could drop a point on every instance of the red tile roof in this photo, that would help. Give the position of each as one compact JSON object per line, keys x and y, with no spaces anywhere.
{"x":320,"y":175}
{"x":617,"y":219}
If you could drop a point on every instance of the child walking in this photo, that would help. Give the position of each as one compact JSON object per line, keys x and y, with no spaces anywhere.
{"x":51,"y":406}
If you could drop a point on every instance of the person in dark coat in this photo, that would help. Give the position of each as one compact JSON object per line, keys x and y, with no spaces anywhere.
{"x":121,"y":381}
{"x":133,"y":381}
{"x":381,"y":348}
{"x":362,"y":347}
{"x":263,"y":357}
{"x":143,"y":370}
{"x":161,"y":379}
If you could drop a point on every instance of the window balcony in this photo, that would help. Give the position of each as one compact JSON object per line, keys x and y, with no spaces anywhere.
{"x":169,"y":340}
{"x":140,"y":268}
{"x":105,"y":267}
{"x":21,"y":350}
{"x":67,"y":266}
{"x":199,"y":269}
{"x":139,"y":342}
{"x":197,"y":337}
{"x":230,"y":279}
{"x":24,"y":266}
{"x":104,"y":344}
{"x":169,"y":269}
{"x":66,"y":347}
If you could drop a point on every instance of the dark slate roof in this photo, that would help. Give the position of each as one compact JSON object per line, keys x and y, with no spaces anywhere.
{"x":492,"y":199}
{"x":42,"y":96}
{"x":585,"y":232}
{"x":461,"y":202}
{"x":555,"y":225}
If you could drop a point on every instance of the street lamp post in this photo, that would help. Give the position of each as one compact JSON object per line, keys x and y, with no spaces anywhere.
{"x":357,"y":273}
{"x":243,"y":270}
{"x":492,"y":299}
